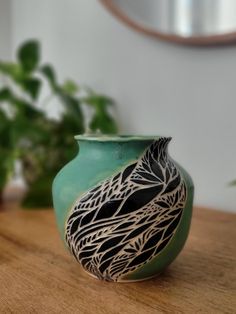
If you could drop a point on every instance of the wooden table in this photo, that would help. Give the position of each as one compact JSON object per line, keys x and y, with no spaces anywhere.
{"x":37,"y":275}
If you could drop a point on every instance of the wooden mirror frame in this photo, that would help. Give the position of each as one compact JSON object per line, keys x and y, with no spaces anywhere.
{"x":222,"y":39}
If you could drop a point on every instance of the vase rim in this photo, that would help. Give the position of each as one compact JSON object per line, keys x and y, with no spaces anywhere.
{"x":117,"y":138}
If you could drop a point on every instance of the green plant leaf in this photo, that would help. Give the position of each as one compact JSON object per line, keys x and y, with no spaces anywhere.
{"x":5,"y":94}
{"x":39,"y":194}
{"x":3,"y":170}
{"x":70,"y":124}
{"x":23,"y":107}
{"x":70,"y":87}
{"x":49,"y":73}
{"x":3,"y":118}
{"x":6,"y":150}
{"x":29,"y":55}
{"x":96,"y":100}
{"x":13,"y":70}
{"x":5,"y":132}
{"x":32,"y":87}
{"x":72,"y":106}
{"x":102,"y":121}
{"x":232,"y":183}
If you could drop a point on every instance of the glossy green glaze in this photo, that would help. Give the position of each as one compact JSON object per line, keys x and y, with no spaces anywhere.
{"x":96,"y":160}
{"x":101,"y":158}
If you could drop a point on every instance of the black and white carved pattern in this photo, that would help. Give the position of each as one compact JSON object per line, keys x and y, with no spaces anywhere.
{"x":122,"y":223}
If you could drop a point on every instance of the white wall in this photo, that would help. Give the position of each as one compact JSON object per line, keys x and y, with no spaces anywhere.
{"x":5,"y":29}
{"x":161,"y":88}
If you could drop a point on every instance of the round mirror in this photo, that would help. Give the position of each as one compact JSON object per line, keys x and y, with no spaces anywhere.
{"x":184,"y":21}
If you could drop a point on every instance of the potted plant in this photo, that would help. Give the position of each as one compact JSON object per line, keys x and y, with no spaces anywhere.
{"x":28,"y":134}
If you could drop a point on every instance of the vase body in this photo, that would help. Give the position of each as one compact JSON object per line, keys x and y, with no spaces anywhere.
{"x":123,"y":206}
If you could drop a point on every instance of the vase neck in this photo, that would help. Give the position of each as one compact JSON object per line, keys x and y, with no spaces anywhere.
{"x":122,"y":149}
{"x":117,"y":150}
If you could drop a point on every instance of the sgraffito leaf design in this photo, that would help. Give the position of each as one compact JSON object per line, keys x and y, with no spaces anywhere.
{"x":118,"y":230}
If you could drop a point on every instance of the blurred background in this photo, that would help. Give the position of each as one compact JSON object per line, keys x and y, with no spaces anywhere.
{"x":158,"y":87}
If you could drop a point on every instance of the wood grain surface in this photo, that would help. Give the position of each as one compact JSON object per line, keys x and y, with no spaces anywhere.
{"x":37,"y":274}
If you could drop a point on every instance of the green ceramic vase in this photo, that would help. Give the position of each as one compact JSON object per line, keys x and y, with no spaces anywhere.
{"x":123,"y":206}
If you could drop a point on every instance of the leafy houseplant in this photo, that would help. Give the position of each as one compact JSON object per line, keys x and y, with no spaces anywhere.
{"x":42,"y":144}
